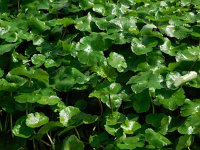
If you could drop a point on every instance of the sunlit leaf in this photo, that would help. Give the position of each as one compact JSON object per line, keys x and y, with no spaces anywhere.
{"x":117,"y":61}
{"x":144,"y":80}
{"x":171,"y":99}
{"x":38,"y":74}
{"x":131,"y":142}
{"x":4,"y":48}
{"x":36,"y":119}
{"x":156,"y":139}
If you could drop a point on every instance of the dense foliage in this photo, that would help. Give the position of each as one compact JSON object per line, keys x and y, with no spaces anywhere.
{"x":99,"y":74}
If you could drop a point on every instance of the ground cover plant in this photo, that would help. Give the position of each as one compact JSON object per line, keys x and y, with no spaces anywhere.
{"x":99,"y":74}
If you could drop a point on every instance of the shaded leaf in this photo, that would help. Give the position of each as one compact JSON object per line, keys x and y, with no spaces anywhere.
{"x":72,"y":143}
{"x":21,"y":130}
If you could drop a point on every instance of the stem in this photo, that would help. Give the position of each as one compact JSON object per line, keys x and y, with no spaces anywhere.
{"x":101,"y":107}
{"x":11,"y":124}
{"x":6,"y":122}
{"x":18,"y":5}
{"x":34,"y":147}
{"x":51,"y":141}
{"x":26,"y":108}
{"x":152,"y":105}
{"x":1,"y":128}
{"x":77,"y":133}
{"x":110,"y":103}
{"x":193,"y":65}
{"x":47,"y":144}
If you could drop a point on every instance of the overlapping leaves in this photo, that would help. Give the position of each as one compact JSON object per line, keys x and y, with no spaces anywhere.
{"x":133,"y":62}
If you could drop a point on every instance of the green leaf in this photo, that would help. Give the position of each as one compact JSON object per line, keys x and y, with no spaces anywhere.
{"x":191,"y":125}
{"x":156,"y":139}
{"x":7,"y":104}
{"x":3,"y":6}
{"x":113,"y":122}
{"x":174,"y":79}
{"x":184,"y":142}
{"x":1,"y":73}
{"x":72,"y":117}
{"x":141,"y":98}
{"x":117,"y":61}
{"x":146,"y":80}
{"x":189,"y":54}
{"x":130,"y":126}
{"x":171,"y":99}
{"x":154,"y":119}
{"x":139,"y":48}
{"x":190,"y":108}
{"x":38,"y":59}
{"x":105,"y":71}
{"x":30,"y":72}
{"x":5,"y":85}
{"x":37,"y":25}
{"x":109,"y":93}
{"x":4,"y":48}
{"x":36,"y":119}
{"x":68,"y":77}
{"x":43,"y":97}
{"x":21,"y":130}
{"x":98,"y":140}
{"x":72,"y":143}
{"x":50,"y":126}
{"x":84,"y":23}
{"x":131,"y":142}
{"x":58,"y":22}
